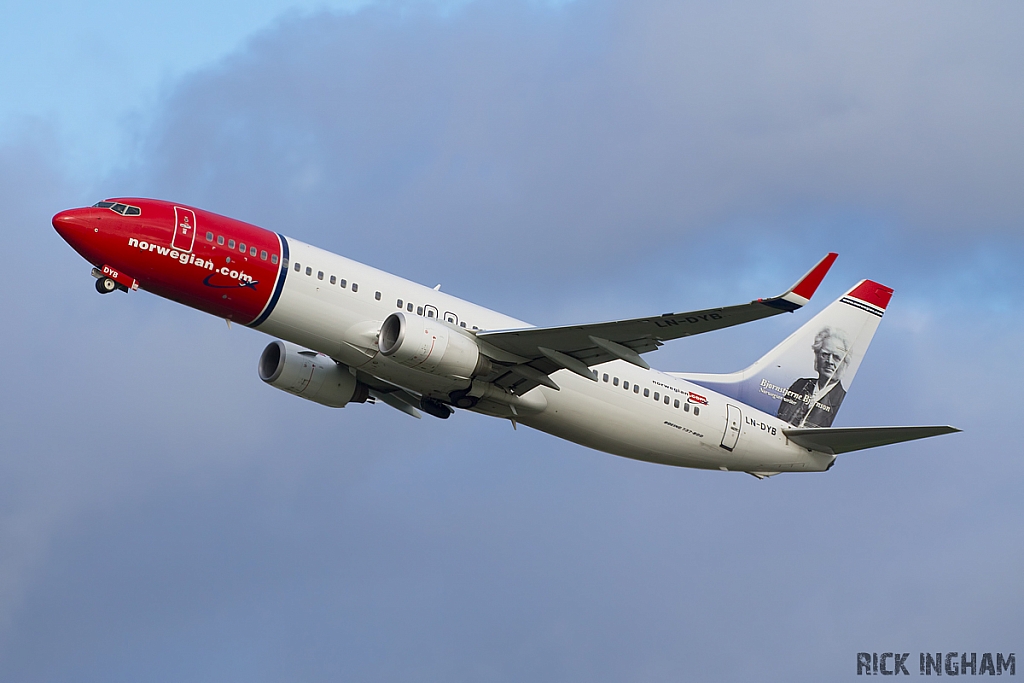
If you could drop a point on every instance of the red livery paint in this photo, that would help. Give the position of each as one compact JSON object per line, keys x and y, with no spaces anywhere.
{"x":809,"y":284}
{"x":119,"y":277}
{"x":873,"y":293}
{"x":201,"y":259}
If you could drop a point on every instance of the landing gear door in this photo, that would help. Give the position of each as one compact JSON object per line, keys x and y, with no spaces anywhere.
{"x":733,"y":422}
{"x":184,"y":229}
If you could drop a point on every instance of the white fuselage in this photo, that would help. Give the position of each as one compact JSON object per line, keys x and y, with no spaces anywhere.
{"x":696,"y":428}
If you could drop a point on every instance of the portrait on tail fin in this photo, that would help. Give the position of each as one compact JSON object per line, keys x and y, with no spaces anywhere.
{"x":803,"y":380}
{"x":814,"y":401}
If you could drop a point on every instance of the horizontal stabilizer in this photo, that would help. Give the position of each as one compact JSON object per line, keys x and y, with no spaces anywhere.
{"x":836,"y":440}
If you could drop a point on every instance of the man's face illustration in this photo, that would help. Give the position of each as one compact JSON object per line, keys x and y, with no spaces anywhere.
{"x":828,"y":359}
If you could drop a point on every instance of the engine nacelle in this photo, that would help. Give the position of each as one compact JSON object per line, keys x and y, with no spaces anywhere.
{"x":311,"y":375}
{"x":429,"y":345}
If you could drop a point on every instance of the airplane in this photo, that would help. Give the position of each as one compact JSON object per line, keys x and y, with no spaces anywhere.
{"x":349,"y":333}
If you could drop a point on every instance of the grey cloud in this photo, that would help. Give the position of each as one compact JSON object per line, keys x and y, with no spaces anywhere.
{"x":165,"y":516}
{"x":508,"y":134}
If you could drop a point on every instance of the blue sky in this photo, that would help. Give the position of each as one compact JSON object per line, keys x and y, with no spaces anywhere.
{"x":166,"y":516}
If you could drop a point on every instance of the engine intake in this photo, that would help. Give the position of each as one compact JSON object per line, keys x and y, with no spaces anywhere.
{"x":310,"y":375}
{"x":429,"y":345}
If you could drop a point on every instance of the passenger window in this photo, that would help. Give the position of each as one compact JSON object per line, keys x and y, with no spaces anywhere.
{"x":647,"y":392}
{"x":462,"y":324}
{"x":320,"y":275}
{"x":355,"y":287}
{"x":241,"y":247}
{"x":686,"y":407}
{"x":273,"y":259}
{"x":657,"y":396}
{"x":430,"y":314}
{"x":209,"y":237}
{"x":401,"y":304}
{"x":636,"y":388}
{"x":376,"y":295}
{"x":666,"y":399}
{"x":696,"y":410}
{"x":231,"y":244}
{"x":309,"y":270}
{"x":297,"y":267}
{"x":419,"y":310}
{"x":615,"y":381}
{"x":605,"y":378}
{"x":334,"y":280}
{"x":675,"y":403}
{"x":343,"y":283}
{"x":263,"y":255}
{"x":220,"y":239}
{"x":625,"y":384}
{"x":408,"y":307}
{"x":252,"y":251}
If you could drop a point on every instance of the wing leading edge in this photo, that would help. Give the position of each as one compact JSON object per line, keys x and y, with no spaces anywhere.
{"x":577,"y":347}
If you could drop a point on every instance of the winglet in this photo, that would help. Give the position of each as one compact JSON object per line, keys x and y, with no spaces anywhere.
{"x":799,"y":294}
{"x":804,"y":289}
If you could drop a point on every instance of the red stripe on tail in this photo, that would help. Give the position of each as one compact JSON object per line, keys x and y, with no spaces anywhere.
{"x":873,"y":293}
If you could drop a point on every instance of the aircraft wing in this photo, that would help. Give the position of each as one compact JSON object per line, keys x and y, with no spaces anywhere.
{"x":836,"y":440}
{"x":390,"y":394}
{"x":576,"y":347}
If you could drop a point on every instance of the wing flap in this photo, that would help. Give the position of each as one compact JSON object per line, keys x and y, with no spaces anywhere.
{"x":836,"y":440}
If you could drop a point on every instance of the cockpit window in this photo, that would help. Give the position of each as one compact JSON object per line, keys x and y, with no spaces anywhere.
{"x":117,"y":207}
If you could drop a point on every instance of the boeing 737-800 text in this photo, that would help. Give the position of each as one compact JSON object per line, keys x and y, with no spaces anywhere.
{"x":350,"y":333}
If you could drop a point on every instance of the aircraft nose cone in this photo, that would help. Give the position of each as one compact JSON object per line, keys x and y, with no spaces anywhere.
{"x":64,"y":222}
{"x":68,"y":224}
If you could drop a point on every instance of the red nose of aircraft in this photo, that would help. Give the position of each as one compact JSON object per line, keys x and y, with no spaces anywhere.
{"x":70,"y":224}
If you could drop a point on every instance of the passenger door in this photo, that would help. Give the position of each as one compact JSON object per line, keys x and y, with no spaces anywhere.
{"x":733,"y":422}
{"x":184,"y":229}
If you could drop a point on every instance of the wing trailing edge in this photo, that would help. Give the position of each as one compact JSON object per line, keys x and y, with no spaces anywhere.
{"x":578,"y":347}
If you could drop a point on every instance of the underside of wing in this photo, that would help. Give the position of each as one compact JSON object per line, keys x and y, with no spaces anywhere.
{"x":836,"y":440}
{"x":543,"y":350}
{"x":390,"y":394}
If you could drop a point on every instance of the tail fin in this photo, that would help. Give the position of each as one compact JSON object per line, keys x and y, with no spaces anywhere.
{"x":804,"y":379}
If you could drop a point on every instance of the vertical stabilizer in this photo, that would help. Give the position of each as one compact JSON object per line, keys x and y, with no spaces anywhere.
{"x":804,"y":379}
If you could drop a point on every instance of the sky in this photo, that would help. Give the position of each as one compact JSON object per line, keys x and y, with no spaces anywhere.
{"x":166,"y":516}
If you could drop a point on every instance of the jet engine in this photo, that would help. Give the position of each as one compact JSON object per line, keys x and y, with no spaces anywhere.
{"x":429,"y":345}
{"x":310,"y":375}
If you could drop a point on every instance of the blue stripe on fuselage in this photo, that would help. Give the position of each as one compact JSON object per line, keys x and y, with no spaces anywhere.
{"x":278,"y":287}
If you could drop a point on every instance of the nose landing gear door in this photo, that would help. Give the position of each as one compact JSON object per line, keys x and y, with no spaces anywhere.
{"x":184,"y":229}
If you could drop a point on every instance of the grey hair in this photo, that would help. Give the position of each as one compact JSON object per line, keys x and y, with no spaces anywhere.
{"x":836,"y":334}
